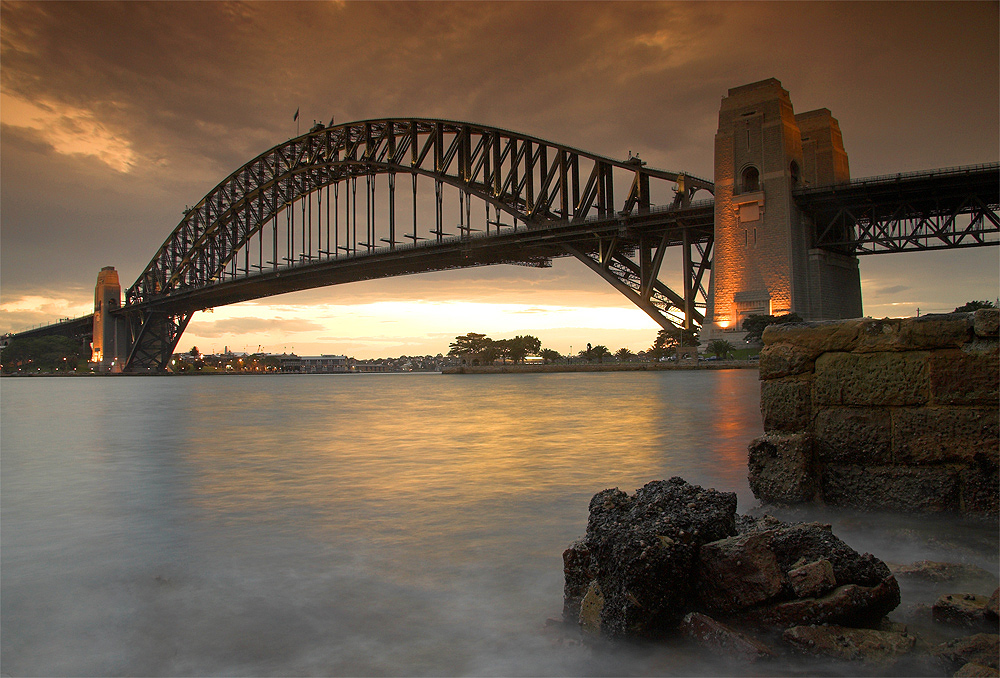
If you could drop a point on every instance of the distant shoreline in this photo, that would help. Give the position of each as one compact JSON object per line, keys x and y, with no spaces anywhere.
{"x":609,"y":367}
{"x":467,"y":369}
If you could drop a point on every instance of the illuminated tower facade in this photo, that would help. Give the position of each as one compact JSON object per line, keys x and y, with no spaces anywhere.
{"x":110,"y":340}
{"x":765,"y":262}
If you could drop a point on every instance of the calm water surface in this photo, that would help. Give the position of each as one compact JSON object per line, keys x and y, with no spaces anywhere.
{"x":348,"y":525}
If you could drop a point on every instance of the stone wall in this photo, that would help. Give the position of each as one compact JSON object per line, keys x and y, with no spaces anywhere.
{"x":900,"y":414}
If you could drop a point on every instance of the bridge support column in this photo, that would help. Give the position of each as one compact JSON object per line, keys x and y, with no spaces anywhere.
{"x":111,"y":345}
{"x":765,"y":261}
{"x":155,"y":336}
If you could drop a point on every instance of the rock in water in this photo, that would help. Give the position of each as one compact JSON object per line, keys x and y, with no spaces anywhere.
{"x":577,"y":577}
{"x":673,"y":548}
{"x":644,"y":551}
{"x":710,"y":633}
{"x":847,"y":643}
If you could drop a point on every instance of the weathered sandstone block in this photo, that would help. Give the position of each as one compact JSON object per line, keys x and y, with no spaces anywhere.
{"x":873,"y":379}
{"x":981,"y":485}
{"x":814,"y":338}
{"x":853,"y":435}
{"x":786,"y":404}
{"x":969,"y":376}
{"x":783,"y":360}
{"x":781,"y":468}
{"x":930,"y":435}
{"x":892,"y":487}
{"x":934,"y":331}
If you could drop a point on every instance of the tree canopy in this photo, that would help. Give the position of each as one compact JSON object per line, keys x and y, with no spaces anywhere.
{"x":481,"y":347}
{"x":45,"y":354}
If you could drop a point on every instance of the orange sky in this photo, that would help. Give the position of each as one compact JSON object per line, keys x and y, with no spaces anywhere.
{"x":116,"y":116}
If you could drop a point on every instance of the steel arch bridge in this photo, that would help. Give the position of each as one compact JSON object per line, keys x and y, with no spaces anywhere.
{"x":326,"y":208}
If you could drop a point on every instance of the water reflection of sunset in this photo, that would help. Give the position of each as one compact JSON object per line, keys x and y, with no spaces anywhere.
{"x":347,"y":449}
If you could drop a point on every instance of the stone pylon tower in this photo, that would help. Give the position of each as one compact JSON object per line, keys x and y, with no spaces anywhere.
{"x":110,"y":343}
{"x":765,"y":262}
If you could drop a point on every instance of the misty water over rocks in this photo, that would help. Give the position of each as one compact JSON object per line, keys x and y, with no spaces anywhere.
{"x":362,"y":524}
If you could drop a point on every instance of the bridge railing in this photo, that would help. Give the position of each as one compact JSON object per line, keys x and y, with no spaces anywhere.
{"x":56,"y":324}
{"x":883,"y":179}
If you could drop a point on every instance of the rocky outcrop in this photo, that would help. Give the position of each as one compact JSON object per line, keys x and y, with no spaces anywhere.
{"x":673,"y":548}
{"x":675,"y":559}
{"x":643,"y":550}
{"x":894,"y":413}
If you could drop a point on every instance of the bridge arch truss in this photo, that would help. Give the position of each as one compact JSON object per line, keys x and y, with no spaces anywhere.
{"x":394,"y":196}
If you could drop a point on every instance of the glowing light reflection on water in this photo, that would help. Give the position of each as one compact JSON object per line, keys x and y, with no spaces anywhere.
{"x":342,"y":525}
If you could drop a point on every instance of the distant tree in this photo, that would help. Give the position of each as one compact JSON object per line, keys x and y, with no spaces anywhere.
{"x":754,"y":325}
{"x":624,"y":355}
{"x":195,"y":353}
{"x":599,"y":352}
{"x":521,"y":346}
{"x":549,"y":355}
{"x":668,"y":340}
{"x":663,"y":344}
{"x":690,"y":338}
{"x":970,"y":306}
{"x":478,"y":346}
{"x":720,"y":348}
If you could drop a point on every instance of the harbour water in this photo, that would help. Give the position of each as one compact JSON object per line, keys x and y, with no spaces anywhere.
{"x":400,"y":524}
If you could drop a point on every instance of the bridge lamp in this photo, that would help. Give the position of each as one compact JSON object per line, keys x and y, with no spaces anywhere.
{"x":724,"y":324}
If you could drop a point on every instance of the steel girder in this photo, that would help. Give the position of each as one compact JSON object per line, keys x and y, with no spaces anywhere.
{"x":531,"y":180}
{"x":154,"y":336}
{"x":613,"y":258}
{"x":939,"y":209}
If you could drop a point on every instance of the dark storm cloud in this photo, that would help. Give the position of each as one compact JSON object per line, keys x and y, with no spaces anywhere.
{"x":174,"y":96}
{"x":895,"y":289}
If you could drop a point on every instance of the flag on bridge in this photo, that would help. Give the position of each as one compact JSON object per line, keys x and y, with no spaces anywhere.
{"x":296,"y":116}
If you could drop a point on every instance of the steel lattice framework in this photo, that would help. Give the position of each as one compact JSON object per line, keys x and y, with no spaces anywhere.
{"x":939,"y":209}
{"x":540,"y":200}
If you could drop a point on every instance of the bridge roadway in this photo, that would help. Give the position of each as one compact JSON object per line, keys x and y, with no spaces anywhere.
{"x":530,"y":245}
